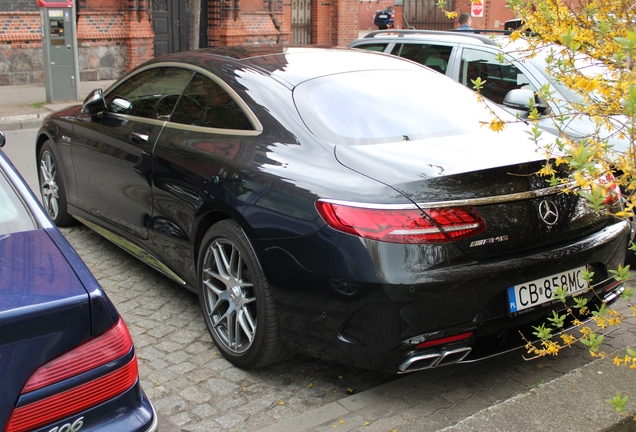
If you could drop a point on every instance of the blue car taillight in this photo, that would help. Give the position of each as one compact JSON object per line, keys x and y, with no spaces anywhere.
{"x":112,"y":345}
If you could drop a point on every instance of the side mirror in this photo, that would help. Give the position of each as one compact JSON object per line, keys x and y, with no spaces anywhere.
{"x":94,"y":103}
{"x":519,"y":99}
{"x":3,"y":139}
{"x":120,"y":106}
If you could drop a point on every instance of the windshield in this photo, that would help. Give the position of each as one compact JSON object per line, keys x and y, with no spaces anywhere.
{"x":389,"y":105}
{"x":583,"y":64}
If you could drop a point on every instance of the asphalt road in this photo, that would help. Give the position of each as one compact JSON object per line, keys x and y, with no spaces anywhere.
{"x":193,"y":388}
{"x":20,"y":148}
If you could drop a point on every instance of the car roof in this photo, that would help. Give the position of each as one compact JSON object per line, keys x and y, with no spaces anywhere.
{"x":290,"y":64}
{"x":497,"y":39}
{"x":484,"y":38}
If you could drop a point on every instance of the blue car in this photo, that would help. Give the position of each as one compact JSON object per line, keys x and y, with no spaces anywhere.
{"x":384,"y":19}
{"x":67,"y":361}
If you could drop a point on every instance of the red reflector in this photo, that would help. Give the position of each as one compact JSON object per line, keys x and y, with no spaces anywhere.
{"x":107,"y":347}
{"x":445,"y":340}
{"x":77,"y":399}
{"x":403,"y":225}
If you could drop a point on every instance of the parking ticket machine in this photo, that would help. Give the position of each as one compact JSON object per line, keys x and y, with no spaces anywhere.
{"x":59,"y":45}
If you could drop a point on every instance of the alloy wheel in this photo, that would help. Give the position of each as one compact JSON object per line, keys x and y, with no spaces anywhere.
{"x":48,"y":185}
{"x":228,"y":295}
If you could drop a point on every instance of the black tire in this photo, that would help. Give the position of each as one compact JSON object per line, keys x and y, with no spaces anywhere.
{"x":52,"y":188}
{"x":236,"y":300}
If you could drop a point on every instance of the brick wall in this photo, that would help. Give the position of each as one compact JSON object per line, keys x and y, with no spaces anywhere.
{"x":334,"y":22}
{"x":346,"y":18}
{"x":113,"y":37}
{"x":116,"y":35}
{"x":18,"y":5}
{"x":20,"y":48}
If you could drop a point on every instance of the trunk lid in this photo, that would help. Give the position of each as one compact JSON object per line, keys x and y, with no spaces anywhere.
{"x":44,"y":309}
{"x":494,"y":175}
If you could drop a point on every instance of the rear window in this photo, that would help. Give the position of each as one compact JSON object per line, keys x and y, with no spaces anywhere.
{"x":14,"y":217}
{"x":389,"y":105}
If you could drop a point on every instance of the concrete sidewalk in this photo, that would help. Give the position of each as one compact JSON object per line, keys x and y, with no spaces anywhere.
{"x":24,"y":106}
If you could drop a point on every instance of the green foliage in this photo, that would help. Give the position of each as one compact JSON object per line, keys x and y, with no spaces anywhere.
{"x":621,"y":274}
{"x":617,"y":402}
{"x":593,"y":341}
{"x":557,"y":320}
{"x":542,"y":332}
{"x":602,"y":33}
{"x":478,"y":84}
{"x":580,"y":303}
{"x":561,"y":294}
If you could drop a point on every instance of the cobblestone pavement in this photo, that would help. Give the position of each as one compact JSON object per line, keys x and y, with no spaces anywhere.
{"x":193,"y":388}
{"x":189,"y":383}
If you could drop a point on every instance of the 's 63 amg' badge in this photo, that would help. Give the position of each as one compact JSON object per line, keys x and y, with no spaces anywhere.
{"x":489,"y":241}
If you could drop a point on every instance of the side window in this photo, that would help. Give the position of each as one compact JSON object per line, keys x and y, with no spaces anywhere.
{"x":152,"y":93}
{"x":14,"y":216}
{"x":378,"y":47}
{"x":205,"y":103}
{"x":434,"y":56}
{"x":499,"y":77}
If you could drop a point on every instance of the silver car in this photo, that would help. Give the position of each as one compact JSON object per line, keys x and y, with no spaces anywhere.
{"x":466,"y":56}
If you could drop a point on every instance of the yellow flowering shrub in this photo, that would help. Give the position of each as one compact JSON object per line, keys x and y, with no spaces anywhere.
{"x":591,"y":50}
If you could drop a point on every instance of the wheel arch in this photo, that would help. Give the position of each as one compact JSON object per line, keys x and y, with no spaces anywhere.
{"x":39,"y":142}
{"x":210,"y":218}
{"x":206,"y":221}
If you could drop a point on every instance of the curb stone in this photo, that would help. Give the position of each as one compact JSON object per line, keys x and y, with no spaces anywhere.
{"x":27,"y":121}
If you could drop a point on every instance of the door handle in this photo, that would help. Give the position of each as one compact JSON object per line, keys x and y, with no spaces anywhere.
{"x":138,"y":138}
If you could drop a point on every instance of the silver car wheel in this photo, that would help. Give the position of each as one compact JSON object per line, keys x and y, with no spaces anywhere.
{"x":48,"y":186}
{"x":229,"y":297}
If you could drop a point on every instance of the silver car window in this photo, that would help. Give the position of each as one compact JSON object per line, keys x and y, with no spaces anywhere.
{"x":434,"y":56}
{"x":498,"y":78}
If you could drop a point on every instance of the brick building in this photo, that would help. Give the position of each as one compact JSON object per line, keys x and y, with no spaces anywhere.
{"x":116,"y":35}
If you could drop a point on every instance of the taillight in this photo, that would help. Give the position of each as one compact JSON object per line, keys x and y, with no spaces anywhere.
{"x":445,"y":340}
{"x":410,"y":225}
{"x":112,"y":345}
{"x":612,"y":190}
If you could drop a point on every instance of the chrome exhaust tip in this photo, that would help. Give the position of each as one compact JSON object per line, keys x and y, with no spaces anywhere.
{"x":428,"y":360}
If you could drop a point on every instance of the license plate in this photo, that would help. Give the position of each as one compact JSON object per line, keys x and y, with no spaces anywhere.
{"x":542,"y":290}
{"x":383,"y":16}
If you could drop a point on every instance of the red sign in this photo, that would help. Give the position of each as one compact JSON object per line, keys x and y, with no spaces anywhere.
{"x":477,"y":8}
{"x":54,"y":3}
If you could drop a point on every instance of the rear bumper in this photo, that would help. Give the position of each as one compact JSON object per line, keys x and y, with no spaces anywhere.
{"x":369,"y":303}
{"x":131,"y":411}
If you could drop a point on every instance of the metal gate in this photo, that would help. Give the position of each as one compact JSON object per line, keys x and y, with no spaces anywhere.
{"x":301,"y":22}
{"x":426,"y":15}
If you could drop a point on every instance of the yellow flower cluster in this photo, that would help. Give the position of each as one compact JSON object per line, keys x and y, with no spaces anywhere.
{"x":497,"y":125}
{"x":568,"y":339}
{"x":626,"y":361}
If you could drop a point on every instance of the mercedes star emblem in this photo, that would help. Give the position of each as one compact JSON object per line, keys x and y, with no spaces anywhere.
{"x":548,"y":212}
